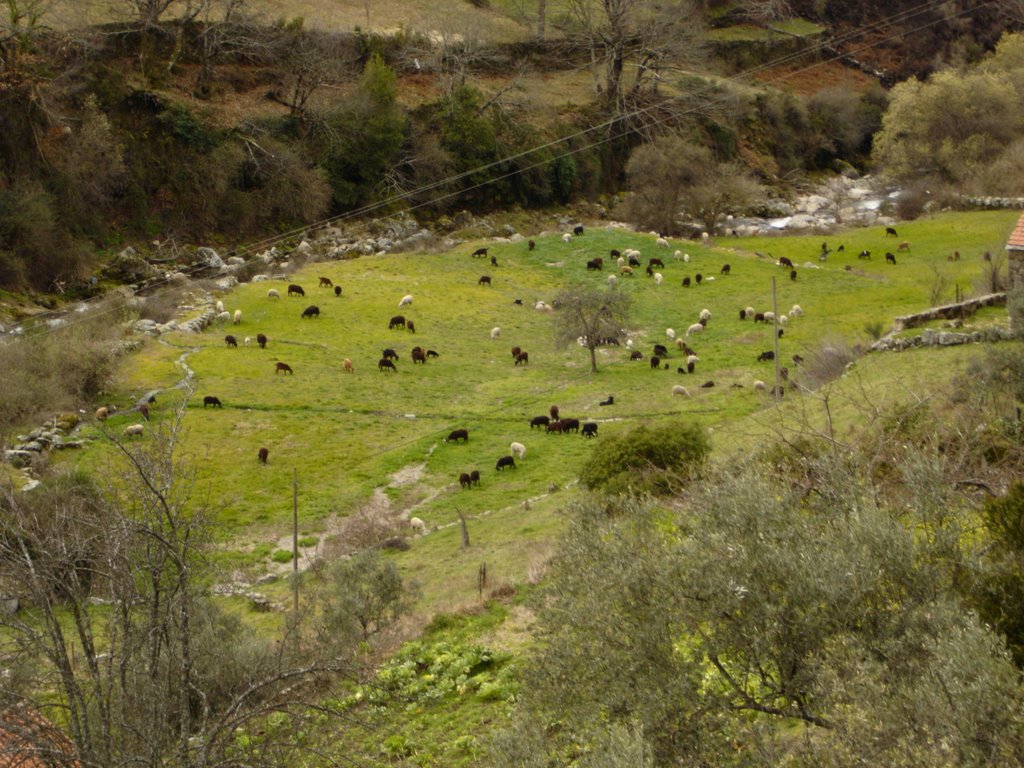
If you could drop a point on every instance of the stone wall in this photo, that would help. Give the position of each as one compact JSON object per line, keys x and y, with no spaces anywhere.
{"x":949,"y":311}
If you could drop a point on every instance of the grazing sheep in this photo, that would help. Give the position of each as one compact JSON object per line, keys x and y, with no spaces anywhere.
{"x":465,"y":480}
{"x":692,"y":359}
{"x":398,"y":321}
{"x":474,"y":476}
{"x":389,"y":354}
{"x":612,"y":280}
{"x":479,"y":253}
{"x":636,"y":355}
{"x":273,"y":294}
{"x":261,"y":339}
{"x":566,"y":238}
{"x":495,"y":332}
{"x":325,"y":282}
{"x":626,"y":271}
{"x":295,"y":290}
{"x":655,"y":262}
{"x":418,"y":526}
{"x":760,"y":386}
{"x":248,"y":341}
{"x":620,"y":262}
{"x":578,"y":230}
{"x":337,"y":290}
{"x":406,"y":301}
{"x":311,"y":311}
{"x":134,"y":429}
{"x":670,"y":332}
{"x":750,"y":312}
{"x":609,"y":401}
{"x":553,"y":410}
{"x":695,"y":328}
{"x":743,"y":314}
{"x":410,"y":326}
{"x":698,"y":277}
{"x":679,"y":389}
{"x":220,"y":306}
{"x":212,"y":401}
{"x":661,"y":350}
{"x":518,"y":449}
{"x":432,"y":353}
{"x":686,"y":282}
{"x":890,"y":232}
{"x":707,"y":385}
{"x":231,"y":341}
{"x":523,"y":357}
{"x":589,"y":429}
{"x":766,"y":356}
{"x":705,"y":237}
{"x":346,"y":365}
{"x":595,"y":264}
{"x":458,"y":435}
{"x":677,"y":255}
{"x":769,"y":317}
{"x":102,"y":413}
{"x":783,"y":319}
{"x":484,"y":280}
{"x":505,"y":461}
{"x":237,"y":317}
{"x":655,"y":363}
{"x":705,"y":314}
{"x":531,"y":244}
{"x":223,"y":317}
{"x":865,"y":254}
{"x":658,"y":277}
{"x":792,"y":275}
{"x":419,"y":356}
{"x":686,"y":258}
{"x":661,"y":242}
{"x":725,"y":269}
{"x":890,"y":258}
{"x":262,"y":455}
{"x":384,"y":365}
{"x":796,"y":311}
{"x":539,"y":421}
{"x":494,"y":261}
{"x":280,"y":367}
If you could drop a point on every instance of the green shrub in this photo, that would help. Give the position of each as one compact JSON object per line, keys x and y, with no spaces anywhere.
{"x":281,"y":556}
{"x":647,"y":459}
{"x":308,"y":541}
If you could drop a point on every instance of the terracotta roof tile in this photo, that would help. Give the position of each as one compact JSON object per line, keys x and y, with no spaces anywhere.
{"x":1016,"y":241}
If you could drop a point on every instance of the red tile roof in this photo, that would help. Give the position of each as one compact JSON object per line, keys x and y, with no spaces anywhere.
{"x":1016,"y":242}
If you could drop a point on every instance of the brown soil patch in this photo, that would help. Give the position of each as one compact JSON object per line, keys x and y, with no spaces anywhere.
{"x":806,"y":79}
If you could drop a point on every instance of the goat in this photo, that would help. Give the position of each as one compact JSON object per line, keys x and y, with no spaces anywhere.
{"x":280,"y":367}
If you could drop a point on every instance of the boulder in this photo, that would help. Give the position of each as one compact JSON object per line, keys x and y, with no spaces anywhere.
{"x":208,"y":258}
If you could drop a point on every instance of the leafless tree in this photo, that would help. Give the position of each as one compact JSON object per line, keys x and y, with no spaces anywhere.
{"x":588,"y":316}
{"x":120,"y":634}
{"x":632,"y":44}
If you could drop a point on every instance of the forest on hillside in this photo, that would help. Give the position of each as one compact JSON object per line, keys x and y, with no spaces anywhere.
{"x":190,"y":122}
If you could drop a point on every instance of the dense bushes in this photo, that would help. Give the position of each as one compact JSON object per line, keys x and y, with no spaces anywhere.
{"x":647,"y":460}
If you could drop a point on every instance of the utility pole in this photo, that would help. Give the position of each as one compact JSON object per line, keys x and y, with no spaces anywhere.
{"x":777,"y":391}
{"x":295,"y":535}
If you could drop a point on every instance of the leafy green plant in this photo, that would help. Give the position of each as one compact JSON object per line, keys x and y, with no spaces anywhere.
{"x":281,"y":556}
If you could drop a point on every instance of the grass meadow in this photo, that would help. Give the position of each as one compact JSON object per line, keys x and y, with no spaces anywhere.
{"x":353,"y":437}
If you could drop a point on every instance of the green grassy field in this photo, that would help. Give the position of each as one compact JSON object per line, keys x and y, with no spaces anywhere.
{"x":349,"y":434}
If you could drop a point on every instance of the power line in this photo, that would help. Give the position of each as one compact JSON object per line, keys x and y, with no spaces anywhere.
{"x":609,"y":126}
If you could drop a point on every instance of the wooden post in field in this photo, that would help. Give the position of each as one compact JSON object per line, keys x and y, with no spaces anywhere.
{"x":295,"y":535}
{"x":464,"y":527}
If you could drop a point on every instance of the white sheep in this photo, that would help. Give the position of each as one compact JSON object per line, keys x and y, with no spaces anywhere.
{"x":273,"y":294}
{"x":658,"y":277}
{"x":631,"y":252}
{"x":679,"y":389}
{"x":760,"y":386}
{"x":796,"y":311}
{"x":566,"y":238}
{"x":237,"y":318}
{"x":629,"y":343}
{"x":223,"y":317}
{"x":671,"y":333}
{"x":133,"y":429}
{"x":677,"y":255}
{"x":709,"y":279}
{"x":705,"y":314}
{"x":686,"y":258}
{"x":661,"y":242}
{"x":695,"y":328}
{"x":620,"y":261}
{"x":769,"y":317}
{"x":406,"y":301}
{"x":518,"y":449}
{"x":783,"y":319}
{"x":681,"y":344}
{"x":749,"y":312}
{"x":248,"y":340}
{"x":612,"y":280}
{"x":704,"y":236}
{"x":692,"y":359}
{"x":495,"y":332}
{"x":417,"y":525}
{"x":220,"y":306}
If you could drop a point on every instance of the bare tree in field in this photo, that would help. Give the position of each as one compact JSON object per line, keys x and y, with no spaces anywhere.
{"x":589,"y":316}
{"x":118,"y":636}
